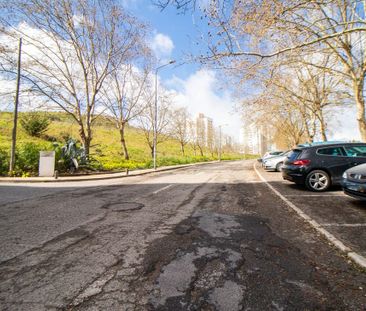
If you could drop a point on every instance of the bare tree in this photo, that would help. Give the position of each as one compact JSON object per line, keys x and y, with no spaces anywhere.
{"x":280,"y":114}
{"x":311,"y":90}
{"x":244,"y":36}
{"x":180,"y":126}
{"x":192,"y":135}
{"x":124,"y":96}
{"x":68,"y":50}
{"x":146,"y":120}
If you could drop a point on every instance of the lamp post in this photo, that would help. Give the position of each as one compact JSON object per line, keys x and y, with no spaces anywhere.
{"x":155,"y":126}
{"x":220,"y":126}
{"x":16,"y":104}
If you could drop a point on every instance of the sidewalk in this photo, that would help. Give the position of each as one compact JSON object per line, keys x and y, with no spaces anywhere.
{"x":97,"y":176}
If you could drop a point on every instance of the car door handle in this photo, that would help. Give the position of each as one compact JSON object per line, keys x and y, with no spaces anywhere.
{"x":354,"y":163}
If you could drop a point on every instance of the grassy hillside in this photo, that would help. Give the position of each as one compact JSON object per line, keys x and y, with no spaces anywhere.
{"x":106,"y":148}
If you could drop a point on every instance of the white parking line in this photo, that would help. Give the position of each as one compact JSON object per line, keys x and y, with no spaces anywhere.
{"x":343,"y":225}
{"x":314,"y":195}
{"x":357,"y":258}
{"x":162,"y":189}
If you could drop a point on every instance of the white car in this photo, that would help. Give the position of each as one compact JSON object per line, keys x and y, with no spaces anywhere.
{"x":275,"y":163}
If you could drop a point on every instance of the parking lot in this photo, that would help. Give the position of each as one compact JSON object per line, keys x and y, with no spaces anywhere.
{"x":339,"y":214}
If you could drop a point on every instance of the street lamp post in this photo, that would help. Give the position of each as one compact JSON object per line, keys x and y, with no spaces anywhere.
{"x":155,"y":125}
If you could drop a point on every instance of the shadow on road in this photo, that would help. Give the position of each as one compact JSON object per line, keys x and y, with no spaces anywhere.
{"x":172,"y":246}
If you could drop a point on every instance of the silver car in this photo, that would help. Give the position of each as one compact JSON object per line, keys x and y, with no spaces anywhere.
{"x":275,"y":163}
{"x":269,"y":154}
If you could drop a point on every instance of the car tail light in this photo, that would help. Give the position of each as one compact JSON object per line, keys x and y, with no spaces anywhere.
{"x":301,"y":162}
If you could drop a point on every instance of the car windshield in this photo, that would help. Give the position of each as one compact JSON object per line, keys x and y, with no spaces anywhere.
{"x":293,"y":155}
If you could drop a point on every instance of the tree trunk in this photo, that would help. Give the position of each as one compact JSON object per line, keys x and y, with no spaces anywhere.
{"x":123,"y":142}
{"x":86,"y":144}
{"x":308,"y":134}
{"x":85,"y":140}
{"x":360,"y":104}
{"x":182,"y":149}
{"x":201,"y":151}
{"x":310,"y":137}
{"x":152,"y":151}
{"x":322,"y":126}
{"x":314,"y":129}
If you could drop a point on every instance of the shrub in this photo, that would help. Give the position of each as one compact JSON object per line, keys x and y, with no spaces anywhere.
{"x":4,"y":162}
{"x":27,"y":157}
{"x":67,"y":154}
{"x":65,"y":136}
{"x":35,"y":123}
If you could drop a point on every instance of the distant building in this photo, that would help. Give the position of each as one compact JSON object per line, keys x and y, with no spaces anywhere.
{"x":256,"y":139}
{"x":204,"y":131}
{"x":228,"y":140}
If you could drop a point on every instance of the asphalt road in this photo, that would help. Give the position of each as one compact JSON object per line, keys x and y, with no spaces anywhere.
{"x":210,"y":237}
{"x":342,"y":216}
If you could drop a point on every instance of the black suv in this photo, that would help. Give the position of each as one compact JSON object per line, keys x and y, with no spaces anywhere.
{"x":320,"y":166}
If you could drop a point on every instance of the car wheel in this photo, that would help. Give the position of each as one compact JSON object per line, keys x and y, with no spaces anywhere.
{"x":318,"y":180}
{"x":279,"y":167}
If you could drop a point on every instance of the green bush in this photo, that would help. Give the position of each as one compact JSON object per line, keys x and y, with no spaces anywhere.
{"x":35,"y":123}
{"x":4,"y":162}
{"x":27,"y":158}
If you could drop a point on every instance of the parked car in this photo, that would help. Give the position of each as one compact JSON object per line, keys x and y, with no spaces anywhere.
{"x":354,"y":182}
{"x":275,"y":163}
{"x":269,"y":154}
{"x":320,"y":166}
{"x":318,"y":143}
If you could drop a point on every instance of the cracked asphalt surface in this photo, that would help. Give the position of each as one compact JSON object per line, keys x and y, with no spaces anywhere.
{"x":209,"y":237}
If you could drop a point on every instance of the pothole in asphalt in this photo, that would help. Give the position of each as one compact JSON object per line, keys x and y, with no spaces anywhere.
{"x":123,"y":206}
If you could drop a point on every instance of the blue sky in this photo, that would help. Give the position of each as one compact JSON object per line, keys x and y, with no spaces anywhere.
{"x":177,"y":36}
{"x":182,"y":29}
{"x":200,"y":89}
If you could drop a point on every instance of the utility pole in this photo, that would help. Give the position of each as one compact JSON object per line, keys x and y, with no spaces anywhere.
{"x":155,"y":125}
{"x":16,"y":104}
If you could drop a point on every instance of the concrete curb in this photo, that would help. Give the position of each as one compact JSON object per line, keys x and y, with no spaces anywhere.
{"x":355,"y":257}
{"x":98,"y":176}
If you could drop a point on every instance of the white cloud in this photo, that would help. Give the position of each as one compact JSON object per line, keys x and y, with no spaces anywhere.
{"x":343,"y":124}
{"x":201,"y":94}
{"x":162,"y":45}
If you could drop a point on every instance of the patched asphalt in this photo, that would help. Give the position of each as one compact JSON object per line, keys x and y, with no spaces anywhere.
{"x":208,"y":238}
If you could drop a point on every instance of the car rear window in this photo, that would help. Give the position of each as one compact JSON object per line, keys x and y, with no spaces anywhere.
{"x":355,"y":151}
{"x":334,"y":151}
{"x":293,"y":155}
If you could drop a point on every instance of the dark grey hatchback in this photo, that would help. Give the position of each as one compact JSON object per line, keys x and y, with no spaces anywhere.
{"x":320,"y":166}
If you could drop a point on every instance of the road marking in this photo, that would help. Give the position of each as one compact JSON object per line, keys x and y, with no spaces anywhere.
{"x":314,"y":195}
{"x":357,"y":258}
{"x":343,"y":225}
{"x":162,"y":189}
